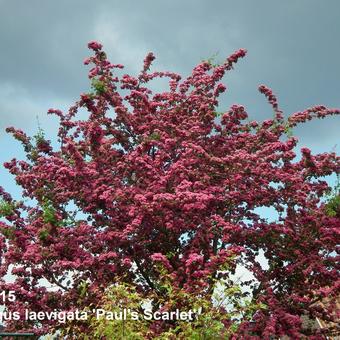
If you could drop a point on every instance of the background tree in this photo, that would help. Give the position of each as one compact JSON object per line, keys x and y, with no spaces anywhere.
{"x":166,"y":179}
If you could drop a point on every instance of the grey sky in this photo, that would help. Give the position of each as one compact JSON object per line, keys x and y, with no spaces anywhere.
{"x":293,"y":47}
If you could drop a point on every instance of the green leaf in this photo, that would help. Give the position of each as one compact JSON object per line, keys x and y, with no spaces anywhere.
{"x":98,"y":85}
{"x":6,"y":208}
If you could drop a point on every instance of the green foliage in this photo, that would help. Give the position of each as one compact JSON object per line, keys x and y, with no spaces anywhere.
{"x":43,"y":234}
{"x":82,"y":289}
{"x":216,"y":316}
{"x":333,"y":200}
{"x":39,"y":137}
{"x":332,"y":207}
{"x":117,"y":298}
{"x":98,"y":86}
{"x":153,"y":136}
{"x":217,"y":114}
{"x":6,"y":208}
{"x":49,"y":212}
{"x":7,"y":232}
{"x":288,"y":130}
{"x":212,"y":60}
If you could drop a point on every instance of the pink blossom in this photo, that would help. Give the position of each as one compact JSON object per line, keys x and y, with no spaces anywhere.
{"x":94,"y":45}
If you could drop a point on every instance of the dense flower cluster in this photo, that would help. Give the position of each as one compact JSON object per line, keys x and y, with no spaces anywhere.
{"x":153,"y":178}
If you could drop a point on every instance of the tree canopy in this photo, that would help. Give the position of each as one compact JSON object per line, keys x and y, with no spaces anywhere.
{"x":163,"y":185}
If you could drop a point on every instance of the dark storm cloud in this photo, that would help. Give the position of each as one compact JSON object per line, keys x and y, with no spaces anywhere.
{"x":293,"y":48}
{"x":42,"y":44}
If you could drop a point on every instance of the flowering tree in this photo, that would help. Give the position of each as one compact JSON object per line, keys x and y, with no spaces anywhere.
{"x":164,"y":179}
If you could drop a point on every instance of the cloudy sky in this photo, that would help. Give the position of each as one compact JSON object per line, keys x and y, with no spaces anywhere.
{"x":293,"y":47}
